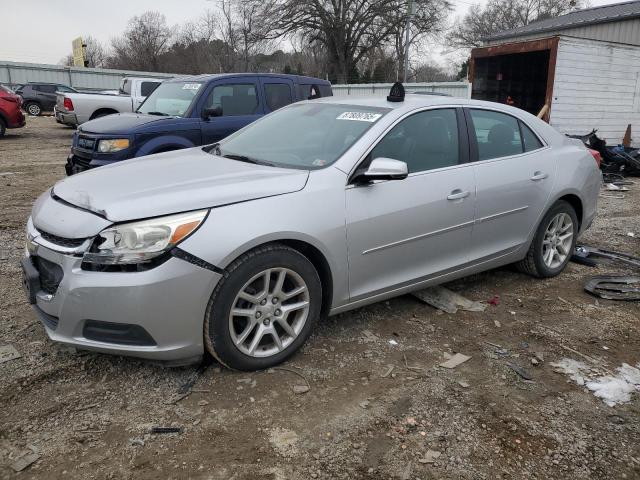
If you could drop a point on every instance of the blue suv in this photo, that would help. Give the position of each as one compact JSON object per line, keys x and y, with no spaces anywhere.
{"x":187,"y":112}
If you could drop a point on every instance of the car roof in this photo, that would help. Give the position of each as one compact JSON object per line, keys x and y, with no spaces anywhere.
{"x":208,"y":77}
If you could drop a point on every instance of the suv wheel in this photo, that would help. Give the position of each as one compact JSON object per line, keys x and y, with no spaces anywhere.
{"x":553,"y":243}
{"x":264,"y":309}
{"x":33,"y":108}
{"x":3,"y":127}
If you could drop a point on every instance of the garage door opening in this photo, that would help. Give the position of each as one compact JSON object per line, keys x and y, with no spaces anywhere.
{"x":519,"y":74}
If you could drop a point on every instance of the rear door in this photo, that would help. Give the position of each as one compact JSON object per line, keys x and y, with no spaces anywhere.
{"x":278,"y":92}
{"x":46,"y":95}
{"x":514,"y":175}
{"x":403,"y":231}
{"x":240,"y":102}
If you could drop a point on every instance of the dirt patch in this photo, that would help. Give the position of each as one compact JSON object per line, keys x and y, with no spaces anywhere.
{"x":90,"y":415}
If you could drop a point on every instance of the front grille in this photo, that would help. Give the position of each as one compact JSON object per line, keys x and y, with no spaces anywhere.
{"x":61,"y":241}
{"x":50,"y":274}
{"x":86,"y":143}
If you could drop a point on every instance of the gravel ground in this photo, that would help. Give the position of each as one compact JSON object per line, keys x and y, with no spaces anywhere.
{"x":86,"y":415}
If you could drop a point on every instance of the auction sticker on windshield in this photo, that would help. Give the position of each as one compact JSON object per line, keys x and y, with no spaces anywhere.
{"x":191,"y":86}
{"x":359,"y":116}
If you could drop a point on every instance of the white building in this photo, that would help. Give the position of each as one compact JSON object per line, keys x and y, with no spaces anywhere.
{"x":584,"y":65}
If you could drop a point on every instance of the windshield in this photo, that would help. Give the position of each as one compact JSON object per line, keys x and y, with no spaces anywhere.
{"x":171,"y":98}
{"x":306,"y":136}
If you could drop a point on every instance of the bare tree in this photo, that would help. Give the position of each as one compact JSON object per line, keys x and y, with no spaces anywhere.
{"x":348,"y":29}
{"x":500,"y":15}
{"x":146,"y":39}
{"x":429,"y":19}
{"x":94,"y":52}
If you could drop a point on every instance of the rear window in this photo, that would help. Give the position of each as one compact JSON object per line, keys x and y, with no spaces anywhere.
{"x":498,"y":134}
{"x":278,"y":95}
{"x":147,"y":87}
{"x":45,"y":88}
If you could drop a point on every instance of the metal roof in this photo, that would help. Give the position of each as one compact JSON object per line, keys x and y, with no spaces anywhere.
{"x":579,"y":18}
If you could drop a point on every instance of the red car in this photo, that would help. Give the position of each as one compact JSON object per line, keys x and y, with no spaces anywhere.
{"x":10,"y":114}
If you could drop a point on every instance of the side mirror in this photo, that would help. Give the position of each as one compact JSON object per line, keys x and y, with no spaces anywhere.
{"x":211,"y":112}
{"x":382,"y":168}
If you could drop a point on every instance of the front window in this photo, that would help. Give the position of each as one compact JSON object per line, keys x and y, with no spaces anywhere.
{"x":308,"y":136}
{"x":234,"y":99}
{"x":171,"y":99}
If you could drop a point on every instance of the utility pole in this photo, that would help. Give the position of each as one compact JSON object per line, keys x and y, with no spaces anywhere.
{"x":406,"y":40}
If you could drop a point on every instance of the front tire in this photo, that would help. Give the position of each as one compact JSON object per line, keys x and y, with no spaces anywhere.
{"x":3,"y":128}
{"x":553,"y":243}
{"x":33,"y":109}
{"x":263,"y":309}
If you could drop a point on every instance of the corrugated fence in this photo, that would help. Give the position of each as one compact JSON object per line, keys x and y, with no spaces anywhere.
{"x":104,"y":79}
{"x":77,"y":77}
{"x":454,"y":89}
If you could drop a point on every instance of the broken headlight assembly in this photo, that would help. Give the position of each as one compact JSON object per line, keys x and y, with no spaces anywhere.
{"x":113,"y":145}
{"x":141,"y":242}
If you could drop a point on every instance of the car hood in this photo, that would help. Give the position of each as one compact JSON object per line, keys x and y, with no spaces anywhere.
{"x":174,"y":182}
{"x":120,"y":123}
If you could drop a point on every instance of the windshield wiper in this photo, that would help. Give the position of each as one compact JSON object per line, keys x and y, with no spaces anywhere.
{"x":243,"y":158}
{"x":162,"y":114}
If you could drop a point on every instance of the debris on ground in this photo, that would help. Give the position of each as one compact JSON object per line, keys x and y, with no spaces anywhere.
{"x":430,"y":457}
{"x":300,"y":389}
{"x":495,"y":300}
{"x":613,"y":389}
{"x":24,"y":461}
{"x":614,"y":287}
{"x":444,"y":299}
{"x":166,"y":430}
{"x":520,"y":371}
{"x":583,"y":251}
{"x":8,"y":352}
{"x":454,"y":361}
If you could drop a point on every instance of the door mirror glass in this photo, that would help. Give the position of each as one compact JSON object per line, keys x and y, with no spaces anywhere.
{"x":211,"y":112}
{"x":382,"y":168}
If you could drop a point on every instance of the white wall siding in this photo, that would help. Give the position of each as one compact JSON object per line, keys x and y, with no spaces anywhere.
{"x":454,"y":89}
{"x":597,"y":85}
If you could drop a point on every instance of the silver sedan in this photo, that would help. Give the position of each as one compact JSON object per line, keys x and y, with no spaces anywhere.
{"x":237,"y":249}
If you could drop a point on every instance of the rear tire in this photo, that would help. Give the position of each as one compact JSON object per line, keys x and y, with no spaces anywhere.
{"x":3,"y":128}
{"x":553,"y":243}
{"x":270,"y":321}
{"x":32,"y":108}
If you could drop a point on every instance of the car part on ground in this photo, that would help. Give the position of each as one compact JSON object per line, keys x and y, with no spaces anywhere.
{"x":582,"y":254}
{"x":615,"y":287}
{"x":318,"y":208}
{"x":614,"y":160}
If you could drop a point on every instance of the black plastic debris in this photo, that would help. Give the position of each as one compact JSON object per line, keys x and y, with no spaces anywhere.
{"x":616,"y":160}
{"x":614,"y":287}
{"x":586,"y":256}
{"x":166,"y":430}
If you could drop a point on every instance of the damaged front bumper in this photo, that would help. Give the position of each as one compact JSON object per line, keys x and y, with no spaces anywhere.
{"x":156,"y":314}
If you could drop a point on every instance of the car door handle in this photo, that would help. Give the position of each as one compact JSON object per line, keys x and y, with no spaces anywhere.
{"x":458,"y":194}
{"x":539,"y":176}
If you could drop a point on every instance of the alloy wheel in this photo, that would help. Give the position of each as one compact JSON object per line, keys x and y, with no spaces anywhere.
{"x":269,"y":312}
{"x":33,"y":109}
{"x":558,"y":238}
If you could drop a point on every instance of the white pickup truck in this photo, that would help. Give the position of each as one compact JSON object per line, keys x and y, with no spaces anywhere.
{"x":76,"y":108}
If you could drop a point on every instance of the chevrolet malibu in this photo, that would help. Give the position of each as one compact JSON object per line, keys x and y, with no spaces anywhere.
{"x":237,"y":249}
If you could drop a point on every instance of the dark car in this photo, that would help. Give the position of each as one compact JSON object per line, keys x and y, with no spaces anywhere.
{"x":40,"y":97}
{"x":187,"y":112}
{"x":10,"y":114}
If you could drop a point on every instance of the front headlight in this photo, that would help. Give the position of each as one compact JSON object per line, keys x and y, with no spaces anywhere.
{"x":139,"y":242}
{"x":113,"y":145}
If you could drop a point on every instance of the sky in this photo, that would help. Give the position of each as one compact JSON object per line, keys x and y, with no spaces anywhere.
{"x":41,"y":31}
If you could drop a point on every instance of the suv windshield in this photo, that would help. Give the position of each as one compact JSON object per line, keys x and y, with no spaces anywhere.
{"x":308,"y":136}
{"x":171,"y":98}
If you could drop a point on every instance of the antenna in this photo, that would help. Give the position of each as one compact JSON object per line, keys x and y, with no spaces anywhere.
{"x":397,"y":93}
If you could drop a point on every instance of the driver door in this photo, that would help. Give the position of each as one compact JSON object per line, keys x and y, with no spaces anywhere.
{"x":403,"y":231}
{"x":240,"y":103}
